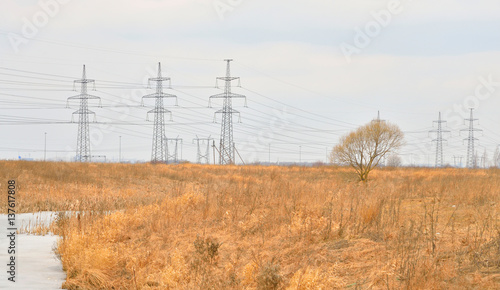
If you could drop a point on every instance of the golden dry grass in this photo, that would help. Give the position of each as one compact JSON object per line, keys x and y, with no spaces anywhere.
{"x":253,"y":227}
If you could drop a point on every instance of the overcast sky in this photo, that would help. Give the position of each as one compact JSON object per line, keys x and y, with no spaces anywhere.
{"x":311,"y":70}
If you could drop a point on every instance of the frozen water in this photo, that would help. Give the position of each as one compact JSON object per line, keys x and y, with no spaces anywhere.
{"x":36,"y":264}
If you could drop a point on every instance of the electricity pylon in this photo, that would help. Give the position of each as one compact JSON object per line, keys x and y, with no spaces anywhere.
{"x":158,"y":153}
{"x":471,"y":159}
{"x":378,"y":120}
{"x":172,"y":155}
{"x":226,"y":147}
{"x":83,"y":139}
{"x":439,"y":140}
{"x":459,"y":158}
{"x":203,"y":155}
{"x":382,"y":161}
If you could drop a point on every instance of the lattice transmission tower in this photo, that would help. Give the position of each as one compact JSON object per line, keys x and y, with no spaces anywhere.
{"x":158,"y":153}
{"x":382,"y":161}
{"x":471,"y":158}
{"x":459,"y":158}
{"x":439,"y":140}
{"x":226,"y":147}
{"x":378,"y":120}
{"x":173,"y":154}
{"x":203,"y":156}
{"x":83,"y":139}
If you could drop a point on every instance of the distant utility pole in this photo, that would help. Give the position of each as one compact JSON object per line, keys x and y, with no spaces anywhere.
{"x":471,"y":160}
{"x":439,"y":141}
{"x":120,"y":150}
{"x":226,"y":147}
{"x":158,"y":153}
{"x":83,"y":139}
{"x":203,"y":155}
{"x":269,"y":156}
{"x":214,"y":149}
{"x":45,"y":148}
{"x":300,"y":154}
{"x":172,"y":155}
{"x":496,"y":157}
{"x":481,"y":160}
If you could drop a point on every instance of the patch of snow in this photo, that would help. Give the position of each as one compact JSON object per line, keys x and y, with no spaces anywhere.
{"x":36,"y":264}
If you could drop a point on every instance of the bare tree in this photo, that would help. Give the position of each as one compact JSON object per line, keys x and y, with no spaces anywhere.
{"x":393,"y":160}
{"x":364,"y":148}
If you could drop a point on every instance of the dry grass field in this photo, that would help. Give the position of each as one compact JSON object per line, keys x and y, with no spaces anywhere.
{"x":254,"y":227}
